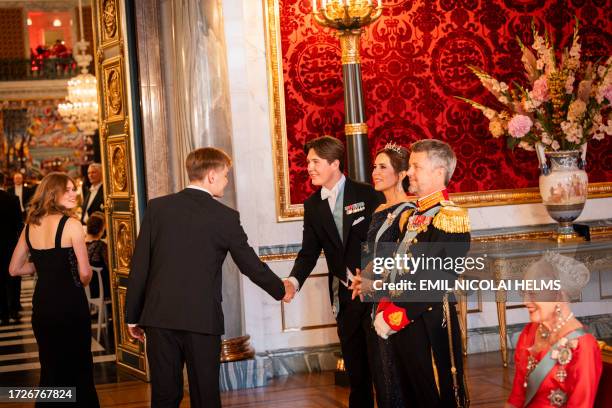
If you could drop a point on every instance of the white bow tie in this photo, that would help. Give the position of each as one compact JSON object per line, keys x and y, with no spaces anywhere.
{"x":325,"y":193}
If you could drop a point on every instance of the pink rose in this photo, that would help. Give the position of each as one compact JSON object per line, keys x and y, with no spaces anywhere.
{"x":540,"y":89}
{"x":519,"y":126}
{"x":607,"y":93}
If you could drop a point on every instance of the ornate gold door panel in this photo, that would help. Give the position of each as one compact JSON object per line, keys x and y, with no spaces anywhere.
{"x":120,"y":159}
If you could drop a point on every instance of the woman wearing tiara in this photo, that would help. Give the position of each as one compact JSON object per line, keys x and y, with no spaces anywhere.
{"x":557,"y":363}
{"x":386,"y":228}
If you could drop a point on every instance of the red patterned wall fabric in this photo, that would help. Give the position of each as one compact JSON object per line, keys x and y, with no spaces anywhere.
{"x":414,"y":61}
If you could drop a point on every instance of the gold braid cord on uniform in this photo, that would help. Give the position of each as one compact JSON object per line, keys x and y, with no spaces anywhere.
{"x":452,"y":219}
{"x":404,"y":219}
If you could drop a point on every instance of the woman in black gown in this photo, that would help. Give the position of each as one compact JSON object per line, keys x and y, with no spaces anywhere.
{"x":55,"y":243}
{"x":386,"y":229}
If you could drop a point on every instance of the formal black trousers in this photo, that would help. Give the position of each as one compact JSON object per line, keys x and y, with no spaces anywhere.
{"x":422,"y":353}
{"x":359,"y":348}
{"x":168,"y":351}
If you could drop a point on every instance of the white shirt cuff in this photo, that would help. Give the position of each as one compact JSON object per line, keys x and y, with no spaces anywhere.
{"x":132,"y":325}
{"x":295,"y":283}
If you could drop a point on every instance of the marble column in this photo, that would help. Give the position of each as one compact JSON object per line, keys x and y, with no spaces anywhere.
{"x":199,"y":112}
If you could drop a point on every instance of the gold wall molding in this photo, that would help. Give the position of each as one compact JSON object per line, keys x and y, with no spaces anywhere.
{"x":109,"y":23}
{"x":601,"y":231}
{"x":119,"y":166}
{"x":127,"y":341}
{"x":119,"y":178}
{"x":113,"y":90}
{"x":287,"y":211}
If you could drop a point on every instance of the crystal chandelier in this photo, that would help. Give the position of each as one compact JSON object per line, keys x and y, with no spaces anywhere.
{"x":81,"y":107}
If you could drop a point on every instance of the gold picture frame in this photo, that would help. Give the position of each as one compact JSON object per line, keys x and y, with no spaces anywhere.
{"x":109,"y":24}
{"x":285,"y":210}
{"x":119,"y":164}
{"x":113,"y":86}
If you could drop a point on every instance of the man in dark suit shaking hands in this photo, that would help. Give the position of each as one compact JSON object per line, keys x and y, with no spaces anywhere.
{"x":336,"y":220}
{"x":174,"y":289}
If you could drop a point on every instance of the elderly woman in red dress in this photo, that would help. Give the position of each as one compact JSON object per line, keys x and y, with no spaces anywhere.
{"x":557,"y":363}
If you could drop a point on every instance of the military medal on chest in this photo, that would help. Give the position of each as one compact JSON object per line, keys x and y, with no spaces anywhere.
{"x":354,"y":208}
{"x":419,"y":222}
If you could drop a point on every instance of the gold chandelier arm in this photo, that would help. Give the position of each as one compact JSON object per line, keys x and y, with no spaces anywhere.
{"x":319,"y":19}
{"x":377,"y":14}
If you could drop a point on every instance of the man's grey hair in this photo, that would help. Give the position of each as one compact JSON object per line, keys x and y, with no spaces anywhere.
{"x":439,"y":153}
{"x":95,"y":166}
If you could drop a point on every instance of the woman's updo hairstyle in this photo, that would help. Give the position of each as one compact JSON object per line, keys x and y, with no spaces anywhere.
{"x":398,"y":156}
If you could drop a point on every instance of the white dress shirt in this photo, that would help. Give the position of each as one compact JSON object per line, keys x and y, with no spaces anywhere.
{"x":19,"y":193}
{"x":331,"y":194}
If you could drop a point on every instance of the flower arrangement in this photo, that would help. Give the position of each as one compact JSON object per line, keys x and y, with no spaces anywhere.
{"x":567,"y":105}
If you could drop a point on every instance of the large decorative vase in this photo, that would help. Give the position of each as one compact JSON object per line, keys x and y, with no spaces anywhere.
{"x":563,"y":186}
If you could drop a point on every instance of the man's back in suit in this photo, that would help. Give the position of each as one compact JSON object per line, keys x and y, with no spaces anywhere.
{"x":182,"y":244}
{"x":174,"y":289}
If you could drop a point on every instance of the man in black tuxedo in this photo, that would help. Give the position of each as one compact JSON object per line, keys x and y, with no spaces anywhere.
{"x":336,"y":220}
{"x":22,"y":191}
{"x":174,"y":289}
{"x":93,"y":197}
{"x":12,"y":224}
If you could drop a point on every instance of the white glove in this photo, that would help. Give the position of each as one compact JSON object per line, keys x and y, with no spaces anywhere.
{"x":381,"y":327}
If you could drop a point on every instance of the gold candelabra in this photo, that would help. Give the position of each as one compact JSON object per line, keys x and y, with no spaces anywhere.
{"x":346,"y":14}
{"x":349,"y":17}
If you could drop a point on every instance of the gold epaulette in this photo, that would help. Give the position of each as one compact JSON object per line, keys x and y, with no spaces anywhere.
{"x":404,"y":219}
{"x":452,"y":219}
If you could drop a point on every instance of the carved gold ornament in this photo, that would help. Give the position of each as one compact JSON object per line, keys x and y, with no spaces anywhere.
{"x":118,"y":169}
{"x":109,"y":18}
{"x":124,"y":244}
{"x":126,"y":340}
{"x":113,"y":96}
{"x":349,"y":44}
{"x":355,"y":129}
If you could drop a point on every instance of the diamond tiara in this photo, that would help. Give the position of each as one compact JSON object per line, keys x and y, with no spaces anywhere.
{"x":392,"y":146}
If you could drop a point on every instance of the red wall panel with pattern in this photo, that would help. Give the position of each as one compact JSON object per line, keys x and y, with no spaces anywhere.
{"x":414,"y":61}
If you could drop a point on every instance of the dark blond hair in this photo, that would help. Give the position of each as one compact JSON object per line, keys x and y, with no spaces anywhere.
{"x":328,"y":148}
{"x":46,"y":198}
{"x":204,"y":159}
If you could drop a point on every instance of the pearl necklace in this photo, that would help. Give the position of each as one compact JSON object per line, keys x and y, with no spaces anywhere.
{"x":556,"y":328}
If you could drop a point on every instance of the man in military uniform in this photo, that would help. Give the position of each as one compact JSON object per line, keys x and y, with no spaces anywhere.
{"x":421,"y":326}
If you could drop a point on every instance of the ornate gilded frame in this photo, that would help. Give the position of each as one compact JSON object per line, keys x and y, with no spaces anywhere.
{"x":285,"y":210}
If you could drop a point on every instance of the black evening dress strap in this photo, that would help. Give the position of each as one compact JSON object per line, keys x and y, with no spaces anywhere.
{"x":60,"y":230}
{"x":27,"y":236}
